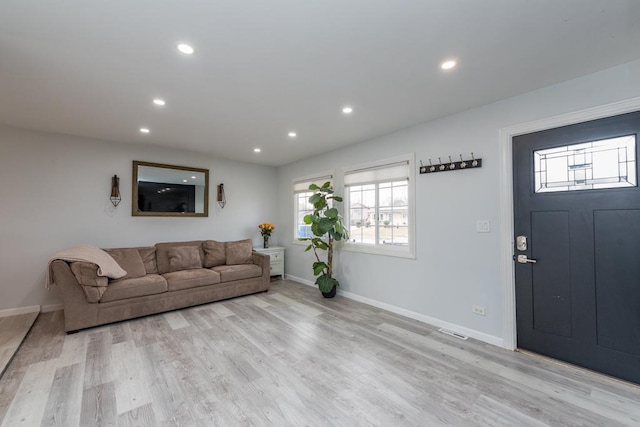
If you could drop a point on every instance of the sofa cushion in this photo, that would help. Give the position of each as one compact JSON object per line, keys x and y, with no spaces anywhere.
{"x":130,"y":261}
{"x":229,"y":273}
{"x":148,"y":255}
{"x":87,"y":274}
{"x":130,"y":288}
{"x":183,"y":258}
{"x":191,"y":278}
{"x":162,"y":249}
{"x":239,"y":252}
{"x":214,"y":253}
{"x":93,"y":285}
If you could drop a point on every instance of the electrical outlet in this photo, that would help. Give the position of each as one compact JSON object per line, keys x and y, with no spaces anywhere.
{"x":476,"y":309}
{"x":483,"y":226}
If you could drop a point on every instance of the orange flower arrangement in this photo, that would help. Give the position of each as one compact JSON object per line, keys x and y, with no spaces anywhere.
{"x":266,"y":229}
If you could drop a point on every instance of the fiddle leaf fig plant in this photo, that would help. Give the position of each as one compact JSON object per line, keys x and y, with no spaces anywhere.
{"x":327,"y":228}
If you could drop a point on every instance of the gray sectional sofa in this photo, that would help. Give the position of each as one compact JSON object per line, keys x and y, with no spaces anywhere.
{"x":158,"y":278}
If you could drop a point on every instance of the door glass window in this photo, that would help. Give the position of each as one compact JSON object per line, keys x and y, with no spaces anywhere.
{"x":607,"y":163}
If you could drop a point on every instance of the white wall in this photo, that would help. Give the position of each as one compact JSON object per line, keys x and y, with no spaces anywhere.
{"x":455,"y":267}
{"x":55,"y":193}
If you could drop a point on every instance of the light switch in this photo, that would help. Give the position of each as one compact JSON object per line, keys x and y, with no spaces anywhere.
{"x":483,"y":226}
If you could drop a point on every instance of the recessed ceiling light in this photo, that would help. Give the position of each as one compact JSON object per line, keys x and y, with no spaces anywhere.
{"x":144,"y":130}
{"x":184,"y":180}
{"x":185,"y":48}
{"x":159,"y":102}
{"x":292,"y":134}
{"x":447,"y":65}
{"x":256,"y":150}
{"x":347,"y":110}
{"x":193,"y":177}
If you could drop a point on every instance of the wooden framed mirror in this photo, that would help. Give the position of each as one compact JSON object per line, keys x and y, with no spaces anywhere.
{"x":168,"y":190}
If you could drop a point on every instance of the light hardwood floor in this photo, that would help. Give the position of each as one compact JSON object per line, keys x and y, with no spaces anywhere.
{"x":287,"y":358}
{"x":13,"y":330}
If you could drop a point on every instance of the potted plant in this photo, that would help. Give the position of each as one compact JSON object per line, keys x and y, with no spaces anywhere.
{"x":327,"y":228}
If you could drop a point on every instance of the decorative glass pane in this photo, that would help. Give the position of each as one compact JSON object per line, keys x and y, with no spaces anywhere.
{"x":607,"y":163}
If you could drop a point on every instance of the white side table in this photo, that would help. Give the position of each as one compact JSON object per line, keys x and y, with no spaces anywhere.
{"x":276,"y":253}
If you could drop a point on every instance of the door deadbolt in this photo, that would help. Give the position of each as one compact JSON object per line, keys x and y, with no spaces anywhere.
{"x":521,"y":243}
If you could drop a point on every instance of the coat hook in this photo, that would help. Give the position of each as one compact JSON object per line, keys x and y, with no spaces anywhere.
{"x":431,"y":167}
{"x":423,"y":168}
{"x":452,"y":165}
{"x":441,"y":167}
{"x":474,"y":163}
{"x":463,"y":164}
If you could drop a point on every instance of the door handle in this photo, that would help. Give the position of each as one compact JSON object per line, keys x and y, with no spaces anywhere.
{"x":522,"y":259}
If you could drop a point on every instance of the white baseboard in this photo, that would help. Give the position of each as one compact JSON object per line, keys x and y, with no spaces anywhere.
{"x":53,"y":307}
{"x":20,"y":310}
{"x":481,"y":336}
{"x":300,"y":280}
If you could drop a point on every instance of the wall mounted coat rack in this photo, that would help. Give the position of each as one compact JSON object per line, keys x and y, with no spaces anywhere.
{"x":473,"y":163}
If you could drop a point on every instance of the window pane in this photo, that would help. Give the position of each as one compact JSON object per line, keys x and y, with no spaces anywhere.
{"x":383,"y":223}
{"x":362,"y":213}
{"x":607,"y":163}
{"x":394,"y":206}
{"x":303,"y":207}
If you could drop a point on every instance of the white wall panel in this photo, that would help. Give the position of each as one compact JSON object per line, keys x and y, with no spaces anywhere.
{"x":55,"y":193}
{"x":455,"y":266}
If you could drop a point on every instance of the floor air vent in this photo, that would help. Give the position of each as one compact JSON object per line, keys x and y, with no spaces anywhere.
{"x":453,"y":334}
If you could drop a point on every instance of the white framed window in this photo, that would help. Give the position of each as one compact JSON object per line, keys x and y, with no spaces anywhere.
{"x":379,"y":207}
{"x":301,"y":205}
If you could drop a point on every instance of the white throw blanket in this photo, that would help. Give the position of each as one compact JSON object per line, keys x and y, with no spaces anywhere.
{"x":107,"y":266}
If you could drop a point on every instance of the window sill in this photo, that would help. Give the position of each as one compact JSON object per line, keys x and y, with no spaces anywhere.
{"x":405,"y":252}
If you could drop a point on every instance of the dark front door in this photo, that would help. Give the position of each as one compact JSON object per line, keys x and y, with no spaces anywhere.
{"x":577,"y":204}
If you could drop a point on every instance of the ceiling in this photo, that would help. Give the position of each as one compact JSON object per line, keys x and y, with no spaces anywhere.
{"x":263,"y":68}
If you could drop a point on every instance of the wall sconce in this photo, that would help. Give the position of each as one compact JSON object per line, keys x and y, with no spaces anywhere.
{"x":115,"y":190}
{"x":222,"y":200}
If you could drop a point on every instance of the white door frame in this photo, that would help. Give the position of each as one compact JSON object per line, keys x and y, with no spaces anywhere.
{"x":506,"y":198}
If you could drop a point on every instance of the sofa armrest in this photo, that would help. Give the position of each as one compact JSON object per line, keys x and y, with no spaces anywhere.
{"x":264,"y":262}
{"x":77,"y":311}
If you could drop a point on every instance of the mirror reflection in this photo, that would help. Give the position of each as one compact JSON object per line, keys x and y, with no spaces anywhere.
{"x":168,"y":190}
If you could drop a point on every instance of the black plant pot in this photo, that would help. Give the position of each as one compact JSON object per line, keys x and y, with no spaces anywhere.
{"x":331,"y":293}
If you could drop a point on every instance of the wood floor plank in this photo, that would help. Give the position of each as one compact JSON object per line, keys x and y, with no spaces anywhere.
{"x":490,"y":412}
{"x":170,"y":401}
{"x":43,"y":342}
{"x":8,"y":388}
{"x":99,"y":406}
{"x":64,"y":403}
{"x":176,"y":320}
{"x":99,"y":367}
{"x":138,"y":417}
{"x":290,"y":358}
{"x":29,"y":403}
{"x":132,"y":384}
{"x":13,"y":330}
{"x":221,"y":310}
